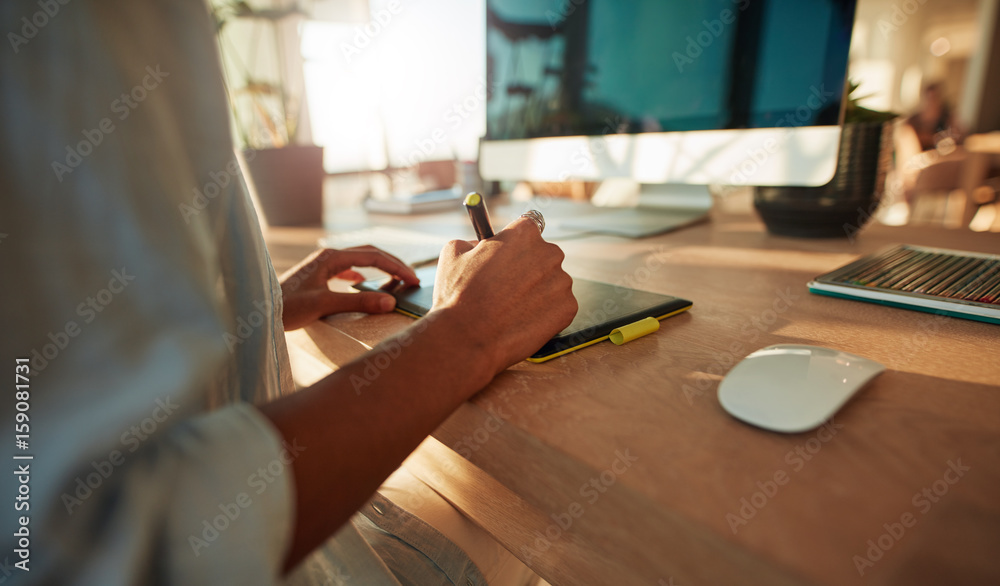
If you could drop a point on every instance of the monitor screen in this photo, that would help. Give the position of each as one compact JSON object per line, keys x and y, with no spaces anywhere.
{"x":562,"y":68}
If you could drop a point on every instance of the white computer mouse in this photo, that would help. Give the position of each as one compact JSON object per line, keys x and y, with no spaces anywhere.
{"x":793,"y":388}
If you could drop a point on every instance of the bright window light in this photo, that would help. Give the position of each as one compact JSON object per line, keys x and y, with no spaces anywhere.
{"x":407,"y":86}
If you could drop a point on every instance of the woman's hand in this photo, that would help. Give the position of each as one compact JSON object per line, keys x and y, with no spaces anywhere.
{"x":495,"y":303}
{"x":509,"y":293}
{"x":308,"y":298}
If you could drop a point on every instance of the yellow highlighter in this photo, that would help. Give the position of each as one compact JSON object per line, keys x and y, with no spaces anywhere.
{"x":643,"y":327}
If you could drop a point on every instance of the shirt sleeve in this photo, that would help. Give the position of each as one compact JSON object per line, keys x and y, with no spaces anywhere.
{"x":137,"y":286}
{"x":206,"y":503}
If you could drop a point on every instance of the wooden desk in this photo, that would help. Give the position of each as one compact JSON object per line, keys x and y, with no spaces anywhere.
{"x":684,"y":493}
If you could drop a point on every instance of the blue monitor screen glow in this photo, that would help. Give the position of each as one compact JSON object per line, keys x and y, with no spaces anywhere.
{"x":681,"y":91}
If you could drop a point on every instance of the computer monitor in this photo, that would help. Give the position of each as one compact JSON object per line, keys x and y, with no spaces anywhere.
{"x":696,"y":92}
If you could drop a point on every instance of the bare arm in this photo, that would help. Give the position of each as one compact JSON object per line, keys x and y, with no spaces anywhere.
{"x":495,"y":303}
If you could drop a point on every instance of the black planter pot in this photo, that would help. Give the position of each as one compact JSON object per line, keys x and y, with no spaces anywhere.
{"x":289,"y":184}
{"x":842,"y":206}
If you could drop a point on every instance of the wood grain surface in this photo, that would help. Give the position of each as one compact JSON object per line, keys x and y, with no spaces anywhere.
{"x":617,"y":465}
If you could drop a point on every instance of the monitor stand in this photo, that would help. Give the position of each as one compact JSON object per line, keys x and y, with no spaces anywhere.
{"x":651,"y":209}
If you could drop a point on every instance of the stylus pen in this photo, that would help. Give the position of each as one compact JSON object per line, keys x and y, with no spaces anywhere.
{"x":476,"y":206}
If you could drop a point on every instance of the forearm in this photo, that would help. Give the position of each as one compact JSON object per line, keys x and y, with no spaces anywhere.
{"x":360,"y":423}
{"x":495,"y":303}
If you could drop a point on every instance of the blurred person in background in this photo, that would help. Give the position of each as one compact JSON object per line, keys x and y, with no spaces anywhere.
{"x":928,"y":146}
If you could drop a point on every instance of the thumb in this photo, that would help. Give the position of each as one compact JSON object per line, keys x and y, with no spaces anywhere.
{"x":365,"y":301}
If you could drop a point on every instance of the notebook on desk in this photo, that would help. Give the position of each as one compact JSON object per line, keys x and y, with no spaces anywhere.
{"x":441,"y":200}
{"x":947,"y":282}
{"x":603,"y":308}
{"x":638,"y":222}
{"x":659,"y":209}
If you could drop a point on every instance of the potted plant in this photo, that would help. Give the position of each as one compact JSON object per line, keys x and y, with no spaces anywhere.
{"x":287,"y":176}
{"x":842,"y":206}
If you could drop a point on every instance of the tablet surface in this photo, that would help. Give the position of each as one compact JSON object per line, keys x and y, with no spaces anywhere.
{"x":603,"y":308}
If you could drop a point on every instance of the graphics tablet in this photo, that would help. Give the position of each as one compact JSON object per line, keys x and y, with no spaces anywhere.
{"x":603,"y":308}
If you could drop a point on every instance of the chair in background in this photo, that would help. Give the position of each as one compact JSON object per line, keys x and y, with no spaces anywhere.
{"x":980,"y":182}
{"x":947,"y":185}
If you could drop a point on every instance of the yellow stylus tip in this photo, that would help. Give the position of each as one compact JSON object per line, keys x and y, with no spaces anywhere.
{"x":473,"y":199}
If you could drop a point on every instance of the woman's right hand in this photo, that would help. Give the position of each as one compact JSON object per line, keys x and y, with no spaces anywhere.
{"x":504,"y":296}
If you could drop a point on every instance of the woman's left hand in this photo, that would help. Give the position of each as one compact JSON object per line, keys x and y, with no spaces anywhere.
{"x":307,"y":297}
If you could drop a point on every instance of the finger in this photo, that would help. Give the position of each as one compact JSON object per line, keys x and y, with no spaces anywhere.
{"x":370,"y":248}
{"x":366,"y":302}
{"x":349,"y":275}
{"x":389,"y":285}
{"x":524,"y":227}
{"x":457,"y":247}
{"x":369,"y":256}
